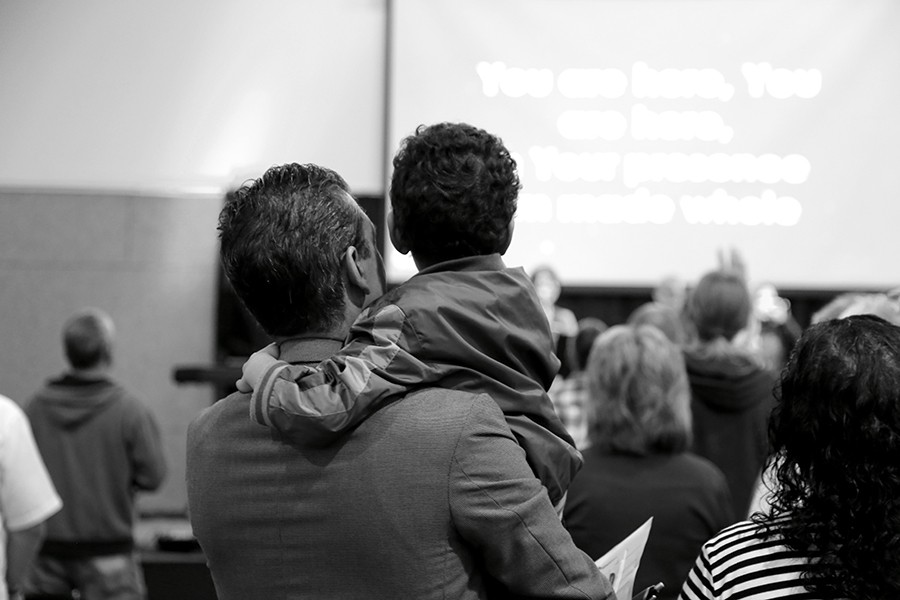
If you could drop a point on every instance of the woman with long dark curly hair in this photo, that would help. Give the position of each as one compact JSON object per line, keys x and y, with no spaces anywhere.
{"x":833,"y":529}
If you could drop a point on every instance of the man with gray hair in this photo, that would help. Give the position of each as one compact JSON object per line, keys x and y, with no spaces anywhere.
{"x":100,"y":445}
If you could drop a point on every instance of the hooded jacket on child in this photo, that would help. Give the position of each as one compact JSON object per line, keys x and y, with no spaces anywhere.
{"x":468,"y":324}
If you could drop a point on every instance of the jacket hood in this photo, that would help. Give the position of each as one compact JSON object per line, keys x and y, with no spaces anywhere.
{"x":70,"y":401}
{"x":727,"y":378}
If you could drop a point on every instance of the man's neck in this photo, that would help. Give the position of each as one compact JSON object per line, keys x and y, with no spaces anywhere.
{"x":308,"y":349}
{"x":98,"y":372}
{"x":337,"y":333}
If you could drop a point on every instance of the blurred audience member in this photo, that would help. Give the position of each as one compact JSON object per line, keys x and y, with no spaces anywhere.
{"x":563,"y":324}
{"x":884,"y":305}
{"x":27,"y":499}
{"x":768,"y":305}
{"x":833,"y":528}
{"x":776,"y":340}
{"x":570,"y":394}
{"x":880,"y":305}
{"x":834,"y":308}
{"x":730,"y":388}
{"x":638,"y":465}
{"x":662,"y":316}
{"x":778,"y":331}
{"x":671,"y":291}
{"x":845,"y":305}
{"x":101,"y":444}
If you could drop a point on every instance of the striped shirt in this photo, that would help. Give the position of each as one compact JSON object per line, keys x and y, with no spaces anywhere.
{"x":740,"y":564}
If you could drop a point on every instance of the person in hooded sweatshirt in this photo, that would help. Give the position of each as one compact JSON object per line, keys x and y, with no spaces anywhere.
{"x":101,"y":445}
{"x":731,"y":390}
{"x":465,"y":321}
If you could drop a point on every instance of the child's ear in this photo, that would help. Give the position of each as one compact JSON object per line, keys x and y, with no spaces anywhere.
{"x":508,"y":240}
{"x":396,"y":235}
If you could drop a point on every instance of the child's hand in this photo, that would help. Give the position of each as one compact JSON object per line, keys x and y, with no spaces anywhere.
{"x":255,"y":367}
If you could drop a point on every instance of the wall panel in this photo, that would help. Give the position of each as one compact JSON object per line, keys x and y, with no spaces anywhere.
{"x":148,"y":260}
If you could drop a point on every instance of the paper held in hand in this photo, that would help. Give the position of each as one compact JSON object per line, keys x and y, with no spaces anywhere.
{"x":621,"y":563}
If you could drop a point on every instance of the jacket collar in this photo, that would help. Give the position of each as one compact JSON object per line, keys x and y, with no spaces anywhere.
{"x":487,"y":262}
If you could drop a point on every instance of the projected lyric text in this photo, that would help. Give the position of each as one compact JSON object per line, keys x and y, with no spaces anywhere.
{"x":645,"y":179}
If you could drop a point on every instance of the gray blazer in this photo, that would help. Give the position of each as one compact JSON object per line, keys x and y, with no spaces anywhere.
{"x":430,"y":497}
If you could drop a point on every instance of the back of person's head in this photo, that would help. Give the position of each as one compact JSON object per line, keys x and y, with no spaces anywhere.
{"x":589,"y":329}
{"x":640,"y":400}
{"x":834,"y":307}
{"x":282,"y":239}
{"x":453,"y":193}
{"x":880,"y":305}
{"x":836,"y":438}
{"x":88,"y":339}
{"x":662,"y":316}
{"x":719,"y":306}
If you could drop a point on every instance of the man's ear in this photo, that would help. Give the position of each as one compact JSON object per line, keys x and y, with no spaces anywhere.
{"x":509,"y":233}
{"x":357,"y":283}
{"x":396,"y":235}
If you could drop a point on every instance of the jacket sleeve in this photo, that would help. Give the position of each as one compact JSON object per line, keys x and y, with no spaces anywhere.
{"x":145,"y":449}
{"x":503,"y":511}
{"x":551,"y":457}
{"x":312,"y":405}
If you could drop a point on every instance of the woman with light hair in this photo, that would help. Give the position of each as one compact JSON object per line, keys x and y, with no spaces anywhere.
{"x":638,"y":465}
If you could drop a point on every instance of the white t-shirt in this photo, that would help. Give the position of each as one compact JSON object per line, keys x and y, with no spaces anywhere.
{"x":27,"y":495}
